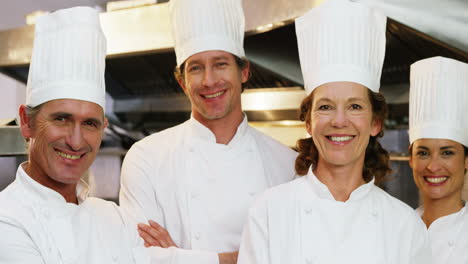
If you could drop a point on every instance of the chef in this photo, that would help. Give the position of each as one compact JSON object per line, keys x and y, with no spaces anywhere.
{"x":46,"y":216}
{"x":438,"y":130}
{"x":196,"y":180}
{"x":335,"y":213}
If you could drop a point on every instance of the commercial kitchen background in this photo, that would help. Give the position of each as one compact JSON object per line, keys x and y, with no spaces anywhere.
{"x":144,"y":98}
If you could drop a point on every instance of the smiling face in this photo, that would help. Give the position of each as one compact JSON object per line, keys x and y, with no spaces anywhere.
{"x":64,"y":138}
{"x":438,"y":167}
{"x":213,"y":83}
{"x":341,"y":123}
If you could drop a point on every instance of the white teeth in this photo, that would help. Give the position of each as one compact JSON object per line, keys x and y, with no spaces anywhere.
{"x":436,"y":180}
{"x":213,"y":95}
{"x":341,"y":139}
{"x":67,"y":156}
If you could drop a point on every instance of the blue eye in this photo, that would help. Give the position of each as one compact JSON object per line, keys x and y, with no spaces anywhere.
{"x":194,"y":68}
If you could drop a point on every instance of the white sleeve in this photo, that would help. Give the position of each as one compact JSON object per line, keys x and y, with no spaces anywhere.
{"x":254,"y":247}
{"x":137,"y":196}
{"x":173,"y":255}
{"x":16,"y":247}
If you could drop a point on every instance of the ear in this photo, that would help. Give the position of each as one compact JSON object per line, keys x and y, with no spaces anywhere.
{"x":410,"y":156}
{"x":410,"y":161}
{"x":106,"y":123}
{"x":466,"y":162}
{"x":308,"y":128}
{"x":245,"y":72}
{"x":25,"y":123}
{"x":376,"y":127}
{"x":182,"y":84}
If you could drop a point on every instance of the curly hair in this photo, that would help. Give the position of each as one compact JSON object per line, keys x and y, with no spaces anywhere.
{"x":376,"y":162}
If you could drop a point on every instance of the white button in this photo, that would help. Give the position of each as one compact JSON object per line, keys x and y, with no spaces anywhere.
{"x":194,"y":195}
{"x":251,"y":193}
{"x":197,"y":236}
{"x":191,"y":150}
{"x":374,"y":213}
{"x":308,"y":210}
{"x":450,"y":243}
{"x":308,"y":260}
{"x":115,"y":258}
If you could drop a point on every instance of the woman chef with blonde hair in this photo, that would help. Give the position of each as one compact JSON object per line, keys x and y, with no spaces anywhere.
{"x":438,"y":131}
{"x":335,"y":213}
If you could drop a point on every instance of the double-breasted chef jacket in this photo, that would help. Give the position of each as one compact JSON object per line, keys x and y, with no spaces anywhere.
{"x":198,"y":190}
{"x":448,"y":236}
{"x":301,"y":222}
{"x":37,"y":225}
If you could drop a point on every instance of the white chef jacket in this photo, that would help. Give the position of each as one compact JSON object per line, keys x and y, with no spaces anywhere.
{"x":37,"y":226}
{"x":301,"y":222}
{"x":198,"y":190}
{"x":448,"y":236}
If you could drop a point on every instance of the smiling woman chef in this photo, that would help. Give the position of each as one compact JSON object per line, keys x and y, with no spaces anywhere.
{"x":439,"y":153}
{"x":335,"y":213}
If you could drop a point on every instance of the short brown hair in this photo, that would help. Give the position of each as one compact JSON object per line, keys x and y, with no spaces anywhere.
{"x":376,"y":162}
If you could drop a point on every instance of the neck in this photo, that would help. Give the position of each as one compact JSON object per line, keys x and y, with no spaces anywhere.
{"x":224,"y":128}
{"x":68,"y":191}
{"x":436,"y":208}
{"x":340,"y":180}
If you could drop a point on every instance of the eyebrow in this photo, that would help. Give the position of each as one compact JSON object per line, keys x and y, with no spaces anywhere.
{"x":351,"y":99}
{"x":60,"y":114}
{"x":447,"y":147}
{"x":220,"y":57}
{"x":442,"y":148}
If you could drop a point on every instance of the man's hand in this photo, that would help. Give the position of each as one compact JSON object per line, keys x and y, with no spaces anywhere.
{"x":228,"y":258}
{"x":155,"y":235}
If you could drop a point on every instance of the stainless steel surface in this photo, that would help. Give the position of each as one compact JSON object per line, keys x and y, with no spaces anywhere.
{"x":12,"y":142}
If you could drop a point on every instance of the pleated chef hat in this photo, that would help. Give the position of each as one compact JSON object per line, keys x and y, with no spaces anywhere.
{"x":439,"y":100}
{"x":68,"y":58}
{"x":341,"y":41}
{"x":202,"y":25}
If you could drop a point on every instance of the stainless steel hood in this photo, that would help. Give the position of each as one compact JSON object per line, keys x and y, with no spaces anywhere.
{"x":12,"y":142}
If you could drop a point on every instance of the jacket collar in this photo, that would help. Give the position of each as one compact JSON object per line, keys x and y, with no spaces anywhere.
{"x":42,"y":194}
{"x":200,"y":134}
{"x":444,"y":223}
{"x":322,"y":191}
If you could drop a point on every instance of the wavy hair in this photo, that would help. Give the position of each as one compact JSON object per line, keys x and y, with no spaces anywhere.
{"x":376,"y":162}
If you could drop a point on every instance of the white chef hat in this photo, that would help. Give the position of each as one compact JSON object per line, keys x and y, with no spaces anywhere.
{"x":202,"y":25}
{"x":439,"y":100}
{"x":68,"y":58}
{"x":341,"y":40}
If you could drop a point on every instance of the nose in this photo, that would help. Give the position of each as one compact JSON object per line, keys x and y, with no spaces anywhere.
{"x":434,"y":165}
{"x":339,"y":118}
{"x":209,"y":77}
{"x":75,"y":138}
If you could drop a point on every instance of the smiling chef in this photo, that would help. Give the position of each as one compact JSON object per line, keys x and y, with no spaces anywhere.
{"x":196,"y":180}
